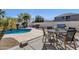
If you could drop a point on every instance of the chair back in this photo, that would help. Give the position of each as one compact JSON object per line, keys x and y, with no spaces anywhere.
{"x":61,"y":26}
{"x":70,"y":34}
{"x":49,"y":27}
{"x":72,"y":28}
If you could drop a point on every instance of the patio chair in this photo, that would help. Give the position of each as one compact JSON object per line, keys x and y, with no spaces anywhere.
{"x":49,"y":27}
{"x":71,"y":28}
{"x":46,"y":38}
{"x":69,"y":37}
{"x":61,"y":26}
{"x":37,"y":26}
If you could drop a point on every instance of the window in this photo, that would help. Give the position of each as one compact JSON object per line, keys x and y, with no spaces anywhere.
{"x":67,"y":17}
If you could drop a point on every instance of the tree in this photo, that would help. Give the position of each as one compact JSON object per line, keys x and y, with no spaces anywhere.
{"x":24,"y":17}
{"x":39,"y":19}
{"x":2,"y":13}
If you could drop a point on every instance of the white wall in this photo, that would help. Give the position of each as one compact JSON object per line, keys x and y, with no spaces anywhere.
{"x":68,"y":23}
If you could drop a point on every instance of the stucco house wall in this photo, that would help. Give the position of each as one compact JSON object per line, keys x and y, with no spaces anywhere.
{"x":71,"y":18}
{"x":67,"y":23}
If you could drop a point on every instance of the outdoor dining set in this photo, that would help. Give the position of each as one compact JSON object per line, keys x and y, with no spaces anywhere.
{"x":59,"y":36}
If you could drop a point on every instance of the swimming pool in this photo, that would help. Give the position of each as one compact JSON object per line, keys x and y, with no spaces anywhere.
{"x":17,"y":31}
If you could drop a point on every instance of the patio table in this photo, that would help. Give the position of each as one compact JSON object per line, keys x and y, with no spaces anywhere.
{"x":56,"y":31}
{"x":56,"y":34}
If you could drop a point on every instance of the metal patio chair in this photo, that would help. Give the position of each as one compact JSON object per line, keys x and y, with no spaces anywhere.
{"x":69,"y":37}
{"x":46,"y":38}
{"x":61,"y":26}
{"x":49,"y":27}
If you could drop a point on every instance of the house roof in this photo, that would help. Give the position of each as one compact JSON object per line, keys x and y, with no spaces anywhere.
{"x":67,"y":14}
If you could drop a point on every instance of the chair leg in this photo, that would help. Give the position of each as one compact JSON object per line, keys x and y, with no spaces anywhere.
{"x":43,"y":39}
{"x":65,"y":42}
{"x":44,"y":43}
{"x":74,"y":44}
{"x":44,"y":47}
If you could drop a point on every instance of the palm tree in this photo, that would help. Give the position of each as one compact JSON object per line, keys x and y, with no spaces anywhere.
{"x":24,"y":17}
{"x":2,"y":13}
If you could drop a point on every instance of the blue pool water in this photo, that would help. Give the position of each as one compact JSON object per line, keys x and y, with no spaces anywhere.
{"x":18,"y":31}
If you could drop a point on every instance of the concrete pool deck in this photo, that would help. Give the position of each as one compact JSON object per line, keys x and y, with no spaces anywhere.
{"x":25,"y":36}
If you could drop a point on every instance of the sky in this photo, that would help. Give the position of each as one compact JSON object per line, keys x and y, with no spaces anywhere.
{"x":48,"y":14}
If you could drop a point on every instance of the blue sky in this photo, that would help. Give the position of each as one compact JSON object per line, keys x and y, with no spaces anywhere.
{"x":48,"y":14}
